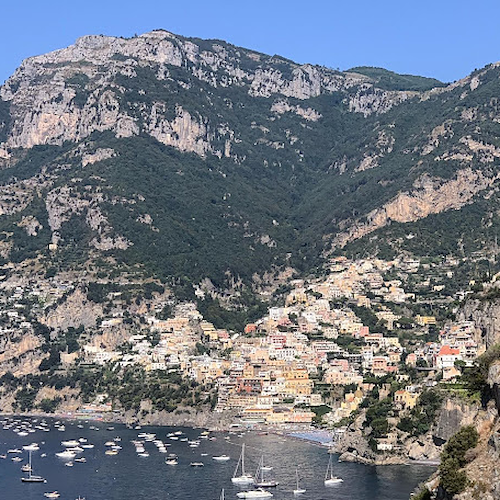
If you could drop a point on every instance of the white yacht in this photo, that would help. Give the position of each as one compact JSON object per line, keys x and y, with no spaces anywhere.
{"x":243,"y":478}
{"x":70,"y":443}
{"x":52,"y":494}
{"x":298,"y":490}
{"x":31,"y":478}
{"x":258,"y":493}
{"x":260,"y":480}
{"x":330,"y":479}
{"x":31,"y":447}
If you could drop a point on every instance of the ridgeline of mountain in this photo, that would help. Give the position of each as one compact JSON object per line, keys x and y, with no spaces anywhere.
{"x":188,"y":157}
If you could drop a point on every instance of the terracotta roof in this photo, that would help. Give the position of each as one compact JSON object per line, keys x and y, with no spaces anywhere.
{"x":446,"y":350}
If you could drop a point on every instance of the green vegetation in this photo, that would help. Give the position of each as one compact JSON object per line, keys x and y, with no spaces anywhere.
{"x":388,"y":80}
{"x":232,"y":319}
{"x":288,"y":186}
{"x":376,"y":417}
{"x":423,"y":494}
{"x":475,"y":379}
{"x":422,"y":416}
{"x":454,"y":457}
{"x":126,"y":388}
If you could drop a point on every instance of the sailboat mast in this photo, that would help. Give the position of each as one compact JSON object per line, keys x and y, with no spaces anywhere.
{"x":237,"y":467}
{"x":243,"y":459}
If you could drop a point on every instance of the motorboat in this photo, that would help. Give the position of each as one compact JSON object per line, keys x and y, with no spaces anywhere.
{"x":70,"y":444}
{"x":52,"y":494}
{"x":258,"y":493}
{"x":222,"y":458}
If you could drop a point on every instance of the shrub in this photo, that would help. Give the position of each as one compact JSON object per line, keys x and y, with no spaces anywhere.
{"x":453,"y":459}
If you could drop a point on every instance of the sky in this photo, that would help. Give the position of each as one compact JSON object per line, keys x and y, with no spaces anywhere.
{"x":444,"y":39}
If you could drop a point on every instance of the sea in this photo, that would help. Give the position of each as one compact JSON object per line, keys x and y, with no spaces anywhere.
{"x":128,"y":476}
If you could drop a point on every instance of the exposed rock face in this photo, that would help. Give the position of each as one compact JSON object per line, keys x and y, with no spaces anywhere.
{"x":353,"y":445}
{"x":429,"y":196}
{"x":453,"y":416}
{"x":77,"y":91}
{"x":75,"y":311}
{"x":19,"y":355}
{"x":486,"y":315}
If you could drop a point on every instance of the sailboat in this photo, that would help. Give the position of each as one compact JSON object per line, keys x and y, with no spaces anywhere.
{"x":298,"y":490}
{"x":330,"y":479}
{"x":243,"y":478}
{"x":31,"y":478}
{"x":260,"y":481}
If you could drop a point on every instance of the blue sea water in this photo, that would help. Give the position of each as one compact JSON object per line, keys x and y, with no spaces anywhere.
{"x":127,"y":476}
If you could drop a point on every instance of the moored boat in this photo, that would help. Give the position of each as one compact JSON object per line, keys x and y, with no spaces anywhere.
{"x":243,"y":478}
{"x":330,"y":479}
{"x":258,"y":493}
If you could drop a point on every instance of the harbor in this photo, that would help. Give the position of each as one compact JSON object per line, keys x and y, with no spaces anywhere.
{"x":94,"y":460}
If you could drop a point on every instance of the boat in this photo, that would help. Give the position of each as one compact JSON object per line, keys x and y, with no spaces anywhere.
{"x":31,"y":447}
{"x":298,"y":490}
{"x":196,"y":464}
{"x":258,"y":493}
{"x":244,"y":478}
{"x":52,"y":494}
{"x":70,"y":444}
{"x":222,"y":458}
{"x":66,"y":454}
{"x":31,"y":478}
{"x":222,"y":495}
{"x":260,"y":480}
{"x":330,"y":479}
{"x":80,"y":460}
{"x":171,"y":461}
{"x":26,"y":468}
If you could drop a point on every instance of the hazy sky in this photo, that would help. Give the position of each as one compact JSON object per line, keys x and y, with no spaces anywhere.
{"x":445,"y":39}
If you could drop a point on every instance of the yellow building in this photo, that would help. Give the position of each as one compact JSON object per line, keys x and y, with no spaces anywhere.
{"x":425,"y":320}
{"x":405,"y":400}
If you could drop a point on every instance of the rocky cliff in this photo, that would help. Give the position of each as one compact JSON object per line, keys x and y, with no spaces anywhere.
{"x":131,"y":149}
{"x":486,"y":316}
{"x":353,"y":445}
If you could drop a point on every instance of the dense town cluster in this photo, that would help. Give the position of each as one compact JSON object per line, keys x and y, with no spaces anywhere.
{"x":315,"y":353}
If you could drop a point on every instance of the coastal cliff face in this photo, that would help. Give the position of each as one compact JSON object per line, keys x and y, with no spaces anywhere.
{"x":482,"y":471}
{"x":353,"y":445}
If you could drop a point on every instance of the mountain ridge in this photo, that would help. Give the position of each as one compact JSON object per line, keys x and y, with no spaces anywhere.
{"x":265,"y":162}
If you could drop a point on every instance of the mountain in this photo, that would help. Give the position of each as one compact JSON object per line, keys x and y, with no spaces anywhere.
{"x":171,"y":156}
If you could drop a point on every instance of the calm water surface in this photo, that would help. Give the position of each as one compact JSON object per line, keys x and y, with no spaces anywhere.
{"x":127,"y":476}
